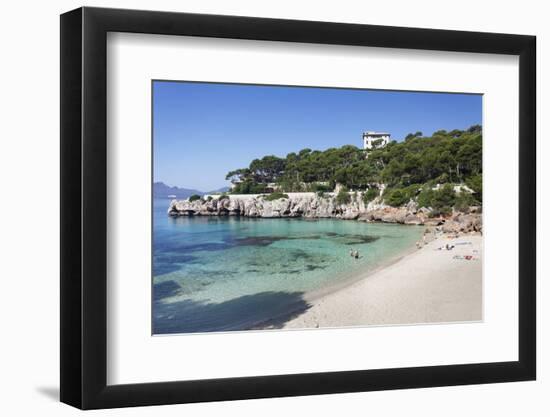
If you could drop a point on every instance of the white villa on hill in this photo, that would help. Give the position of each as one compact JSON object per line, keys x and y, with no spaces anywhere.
{"x":373,"y":140}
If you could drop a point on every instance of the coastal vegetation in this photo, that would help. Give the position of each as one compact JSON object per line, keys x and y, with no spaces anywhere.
{"x":343,"y":196}
{"x":275,"y":196}
{"x":431,"y":170}
{"x":370,"y":194}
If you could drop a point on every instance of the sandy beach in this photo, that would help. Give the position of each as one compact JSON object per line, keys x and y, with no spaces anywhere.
{"x":431,"y":285}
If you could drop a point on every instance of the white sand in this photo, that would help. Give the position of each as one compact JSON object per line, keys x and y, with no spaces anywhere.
{"x":427,"y":286}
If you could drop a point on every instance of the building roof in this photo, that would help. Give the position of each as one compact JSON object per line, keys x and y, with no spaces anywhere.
{"x":376,"y":133}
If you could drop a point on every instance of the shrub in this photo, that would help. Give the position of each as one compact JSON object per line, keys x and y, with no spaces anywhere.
{"x":425,"y":197}
{"x":443,"y":178}
{"x":463,"y":201}
{"x":444,"y":197}
{"x":343,"y":196}
{"x":248,"y":187}
{"x":290,"y":185}
{"x":442,"y":211}
{"x":275,"y":196}
{"x":476,"y":184}
{"x":194,"y":197}
{"x":223,"y":197}
{"x":320,"y":194}
{"x":440,"y":200}
{"x":209,"y":198}
{"x":370,"y":195}
{"x":395,"y":197}
{"x":321,"y":187}
{"x":411,"y":191}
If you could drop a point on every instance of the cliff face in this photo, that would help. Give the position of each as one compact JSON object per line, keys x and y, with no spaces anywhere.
{"x":310,"y":205}
{"x":297,"y":205}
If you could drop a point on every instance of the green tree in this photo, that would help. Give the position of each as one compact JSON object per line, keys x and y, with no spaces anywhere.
{"x":474,"y":129}
{"x":452,"y":157}
{"x":393,"y":172}
{"x":267,"y":169}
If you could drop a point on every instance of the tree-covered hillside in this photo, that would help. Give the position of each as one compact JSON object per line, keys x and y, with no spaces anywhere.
{"x":407,"y":168}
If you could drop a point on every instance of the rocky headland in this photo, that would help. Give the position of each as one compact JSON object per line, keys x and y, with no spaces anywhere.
{"x":314,"y":206}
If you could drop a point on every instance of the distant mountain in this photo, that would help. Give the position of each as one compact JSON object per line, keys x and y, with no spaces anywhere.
{"x":161,"y":190}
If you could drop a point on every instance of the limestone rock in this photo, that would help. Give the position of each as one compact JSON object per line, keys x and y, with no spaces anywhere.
{"x":311,"y":205}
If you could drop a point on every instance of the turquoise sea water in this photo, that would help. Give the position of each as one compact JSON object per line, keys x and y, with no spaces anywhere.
{"x":227,"y":273}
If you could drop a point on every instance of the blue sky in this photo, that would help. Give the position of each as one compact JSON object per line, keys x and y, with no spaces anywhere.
{"x":203,"y":130}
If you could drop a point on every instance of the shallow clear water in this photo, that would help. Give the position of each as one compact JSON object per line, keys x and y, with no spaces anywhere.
{"x":227,"y":273}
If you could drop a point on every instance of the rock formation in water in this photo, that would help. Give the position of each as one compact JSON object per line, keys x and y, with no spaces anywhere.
{"x":313,"y":206}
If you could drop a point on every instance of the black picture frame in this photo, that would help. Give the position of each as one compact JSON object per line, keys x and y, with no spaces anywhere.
{"x":84,"y":207}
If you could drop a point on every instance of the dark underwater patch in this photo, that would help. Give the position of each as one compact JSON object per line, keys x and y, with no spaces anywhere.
{"x":164,"y":268}
{"x":298,"y":254}
{"x":310,"y":267}
{"x":359,"y":239}
{"x":165,"y":289}
{"x":257,"y":240}
{"x":217,"y":273}
{"x":166,"y":263}
{"x":186,"y":247}
{"x":173,"y":258}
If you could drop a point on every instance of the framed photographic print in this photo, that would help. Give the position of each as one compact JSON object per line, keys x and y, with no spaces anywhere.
{"x":258,"y":207}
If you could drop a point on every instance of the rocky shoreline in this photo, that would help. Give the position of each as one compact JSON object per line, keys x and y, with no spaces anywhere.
{"x":313,"y":206}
